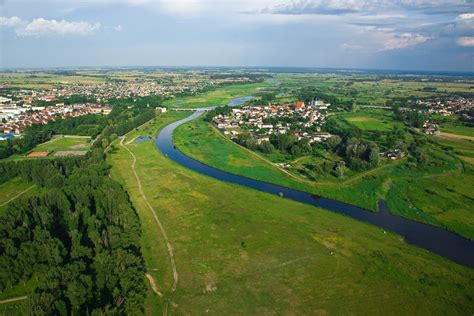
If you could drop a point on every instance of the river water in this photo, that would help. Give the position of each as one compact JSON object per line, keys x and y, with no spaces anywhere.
{"x":434,"y":239}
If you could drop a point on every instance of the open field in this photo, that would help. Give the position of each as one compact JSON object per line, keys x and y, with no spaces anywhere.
{"x":219,"y":96}
{"x":369,"y":119}
{"x":452,"y":128}
{"x":367,"y":89}
{"x":12,"y":189}
{"x":239,"y":251}
{"x":66,"y":143}
{"x":40,"y":80}
{"x":204,"y":143}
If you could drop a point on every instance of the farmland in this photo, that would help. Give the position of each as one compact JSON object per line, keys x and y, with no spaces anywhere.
{"x":41,"y":80}
{"x":280,"y":255}
{"x":216,"y":97}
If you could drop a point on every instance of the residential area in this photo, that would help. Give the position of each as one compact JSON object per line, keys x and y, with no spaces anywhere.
{"x":301,"y":120}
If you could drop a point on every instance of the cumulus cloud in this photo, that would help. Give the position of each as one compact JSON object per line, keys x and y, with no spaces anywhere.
{"x":393,"y":41}
{"x":13,"y":21}
{"x":42,"y":27}
{"x":466,"y":16}
{"x":465,"y":41}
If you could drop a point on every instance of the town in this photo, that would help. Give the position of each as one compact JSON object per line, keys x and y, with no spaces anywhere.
{"x":301,"y":120}
{"x":20,"y":108}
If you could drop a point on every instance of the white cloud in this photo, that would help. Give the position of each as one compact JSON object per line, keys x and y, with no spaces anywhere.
{"x":370,"y":39}
{"x":465,"y":41}
{"x":466,"y":16}
{"x":13,"y":21}
{"x":42,"y":27}
{"x":398,"y":41}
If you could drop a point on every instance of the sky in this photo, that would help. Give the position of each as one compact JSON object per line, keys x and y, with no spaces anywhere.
{"x":376,"y":34}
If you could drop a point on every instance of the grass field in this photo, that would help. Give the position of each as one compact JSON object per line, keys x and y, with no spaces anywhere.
{"x":204,"y":143}
{"x":219,"y":96}
{"x":13,"y":188}
{"x":458,"y":129}
{"x":45,"y":80}
{"x":239,"y":251}
{"x":391,"y":180}
{"x":59,"y":143}
{"x":369,"y":119}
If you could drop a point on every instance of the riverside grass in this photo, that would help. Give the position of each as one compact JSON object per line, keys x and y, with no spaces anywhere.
{"x":240,"y":251}
{"x":204,"y":143}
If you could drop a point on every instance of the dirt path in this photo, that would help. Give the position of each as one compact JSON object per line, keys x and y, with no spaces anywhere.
{"x":455,"y":136}
{"x":158,"y":222}
{"x":11,"y":300}
{"x":17,"y":196}
{"x":153,"y":285}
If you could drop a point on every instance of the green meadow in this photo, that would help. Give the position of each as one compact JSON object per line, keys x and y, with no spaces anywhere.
{"x":369,"y":119}
{"x":240,"y":251}
{"x":391,"y":180}
{"x":219,"y":96}
{"x":67,"y":143}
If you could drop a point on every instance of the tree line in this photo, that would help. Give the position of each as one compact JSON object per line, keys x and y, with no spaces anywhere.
{"x":80,"y":238}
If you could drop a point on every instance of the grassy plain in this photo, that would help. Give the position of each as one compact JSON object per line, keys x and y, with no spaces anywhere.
{"x":367,"y":89}
{"x":369,"y":119}
{"x":392,"y":180}
{"x":240,"y":251}
{"x":458,"y":129}
{"x":68,"y":143}
{"x":12,"y":188}
{"x":219,"y":96}
{"x":204,"y":143}
{"x":39,"y":80}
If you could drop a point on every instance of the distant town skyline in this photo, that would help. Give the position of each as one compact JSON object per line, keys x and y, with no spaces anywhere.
{"x":407,"y":34}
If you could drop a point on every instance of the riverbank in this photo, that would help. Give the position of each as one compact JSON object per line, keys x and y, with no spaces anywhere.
{"x":392,"y":181}
{"x":238,"y":250}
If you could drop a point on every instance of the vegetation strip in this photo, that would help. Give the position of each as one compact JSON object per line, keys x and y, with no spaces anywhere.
{"x":17,"y":196}
{"x":158,"y":222}
{"x":447,"y":244}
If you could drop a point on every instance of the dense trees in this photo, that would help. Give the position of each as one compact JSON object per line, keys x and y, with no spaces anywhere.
{"x":411,"y":117}
{"x":308,"y":94}
{"x":80,"y":237}
{"x":224,"y":110}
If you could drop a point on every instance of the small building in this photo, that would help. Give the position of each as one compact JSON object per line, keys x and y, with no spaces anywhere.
{"x":38,"y":154}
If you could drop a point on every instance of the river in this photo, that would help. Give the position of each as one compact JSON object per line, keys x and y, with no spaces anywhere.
{"x":434,"y":239}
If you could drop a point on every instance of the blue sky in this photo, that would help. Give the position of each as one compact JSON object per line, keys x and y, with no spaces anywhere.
{"x":399,"y":34}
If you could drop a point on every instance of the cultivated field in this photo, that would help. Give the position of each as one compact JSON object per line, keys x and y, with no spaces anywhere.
{"x":242,"y":251}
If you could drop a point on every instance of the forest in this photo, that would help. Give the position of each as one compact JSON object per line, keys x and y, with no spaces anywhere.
{"x":79,"y":238}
